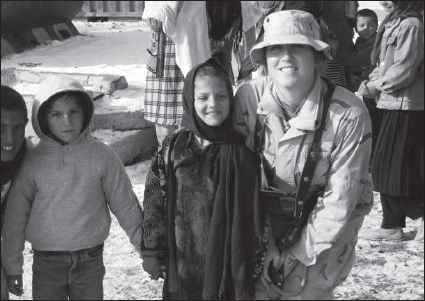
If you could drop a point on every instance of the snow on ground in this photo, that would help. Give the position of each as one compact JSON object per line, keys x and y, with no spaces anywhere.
{"x":382,"y":271}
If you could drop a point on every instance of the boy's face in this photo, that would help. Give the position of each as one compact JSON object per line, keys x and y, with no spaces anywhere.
{"x":12,"y":133}
{"x":65,"y":118}
{"x":366,"y":27}
{"x":212,"y":99}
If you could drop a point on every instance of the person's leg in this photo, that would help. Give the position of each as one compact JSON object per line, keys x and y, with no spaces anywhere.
{"x":394,"y":219}
{"x":50,"y":276}
{"x":4,"y":289}
{"x":394,"y":216}
{"x":86,"y":275}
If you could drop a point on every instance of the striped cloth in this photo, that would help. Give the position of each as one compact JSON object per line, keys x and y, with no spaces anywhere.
{"x":163,"y":96}
{"x":335,"y":72}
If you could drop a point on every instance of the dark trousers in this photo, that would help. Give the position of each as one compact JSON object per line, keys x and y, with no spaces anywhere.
{"x":75,"y":275}
{"x":396,"y":209}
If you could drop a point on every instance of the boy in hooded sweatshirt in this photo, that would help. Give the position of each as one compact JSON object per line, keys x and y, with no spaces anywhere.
{"x":61,"y":198}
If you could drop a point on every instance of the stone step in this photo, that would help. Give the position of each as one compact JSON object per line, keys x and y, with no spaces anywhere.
{"x":100,"y":83}
{"x":118,"y":121}
{"x":131,"y":146}
{"x":123,"y":110}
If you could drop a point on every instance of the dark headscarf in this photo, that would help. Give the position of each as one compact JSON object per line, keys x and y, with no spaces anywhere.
{"x":235,"y":232}
{"x":191,"y":120}
{"x":11,"y":100}
{"x":403,"y":10}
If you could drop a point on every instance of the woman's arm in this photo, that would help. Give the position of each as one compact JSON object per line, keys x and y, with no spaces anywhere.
{"x":408,"y":55}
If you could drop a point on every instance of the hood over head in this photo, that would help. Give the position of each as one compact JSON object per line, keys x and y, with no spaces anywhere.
{"x":49,"y":90}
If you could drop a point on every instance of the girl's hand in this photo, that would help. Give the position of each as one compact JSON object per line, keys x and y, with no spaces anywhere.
{"x":153,"y":267}
{"x":288,"y":261}
{"x":272,"y":257}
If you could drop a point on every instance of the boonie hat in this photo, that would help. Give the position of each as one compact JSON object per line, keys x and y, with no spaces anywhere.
{"x":289,"y":27}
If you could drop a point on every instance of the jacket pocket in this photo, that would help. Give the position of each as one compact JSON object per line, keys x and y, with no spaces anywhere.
{"x":389,"y":55}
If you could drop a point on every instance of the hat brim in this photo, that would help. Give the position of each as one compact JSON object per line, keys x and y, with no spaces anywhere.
{"x":258,"y":51}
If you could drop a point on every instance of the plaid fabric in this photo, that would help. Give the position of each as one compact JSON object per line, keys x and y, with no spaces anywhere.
{"x":163,"y":96}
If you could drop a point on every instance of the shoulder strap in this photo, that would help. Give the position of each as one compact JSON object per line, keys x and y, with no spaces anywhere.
{"x":312,"y":156}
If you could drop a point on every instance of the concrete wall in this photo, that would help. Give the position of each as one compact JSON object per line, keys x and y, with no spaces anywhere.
{"x":25,"y":24}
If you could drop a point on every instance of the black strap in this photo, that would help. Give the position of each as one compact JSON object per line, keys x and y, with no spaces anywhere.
{"x":312,"y":156}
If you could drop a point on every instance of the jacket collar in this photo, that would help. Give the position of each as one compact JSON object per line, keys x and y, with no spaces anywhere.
{"x":307,"y":118}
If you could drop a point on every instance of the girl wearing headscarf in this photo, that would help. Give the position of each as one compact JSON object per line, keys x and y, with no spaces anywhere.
{"x":397,"y":85}
{"x":202,"y":224}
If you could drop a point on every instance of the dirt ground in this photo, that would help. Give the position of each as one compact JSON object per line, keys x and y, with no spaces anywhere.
{"x":383,"y":270}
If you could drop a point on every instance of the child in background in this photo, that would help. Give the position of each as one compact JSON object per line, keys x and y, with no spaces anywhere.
{"x":358,"y":65}
{"x":13,"y":148}
{"x":61,"y":198}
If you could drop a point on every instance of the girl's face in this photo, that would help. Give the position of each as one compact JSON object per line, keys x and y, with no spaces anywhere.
{"x":212,"y":99}
{"x":366,"y":27}
{"x":65,"y":118}
{"x":292,"y":66}
{"x":388,"y":6}
{"x":12,"y":133}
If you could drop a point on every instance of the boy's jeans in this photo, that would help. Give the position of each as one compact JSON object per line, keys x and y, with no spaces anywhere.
{"x":77,"y":275}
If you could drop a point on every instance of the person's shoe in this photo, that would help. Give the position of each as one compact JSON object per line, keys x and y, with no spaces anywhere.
{"x":420,"y":232}
{"x":385,"y":234}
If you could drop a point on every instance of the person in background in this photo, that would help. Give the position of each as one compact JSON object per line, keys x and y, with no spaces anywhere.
{"x":359,"y":66}
{"x":164,"y":78}
{"x":184,"y":34}
{"x":339,"y":17}
{"x":284,"y":110}
{"x":203,"y":229}
{"x":61,"y":199}
{"x":13,"y":148}
{"x":397,"y":84}
{"x":224,"y":31}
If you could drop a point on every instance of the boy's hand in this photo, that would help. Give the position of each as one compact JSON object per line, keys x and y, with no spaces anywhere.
{"x":14,"y":283}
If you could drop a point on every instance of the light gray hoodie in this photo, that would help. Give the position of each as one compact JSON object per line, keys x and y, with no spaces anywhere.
{"x":60,"y":199}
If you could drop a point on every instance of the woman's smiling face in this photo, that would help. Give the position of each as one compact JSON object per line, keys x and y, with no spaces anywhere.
{"x":291,"y":65}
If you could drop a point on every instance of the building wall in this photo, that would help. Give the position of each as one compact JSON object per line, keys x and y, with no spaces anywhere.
{"x":112,"y":9}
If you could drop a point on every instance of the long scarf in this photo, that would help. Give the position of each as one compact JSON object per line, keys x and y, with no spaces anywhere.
{"x":235,"y":233}
{"x":9,"y":168}
{"x":404,"y":9}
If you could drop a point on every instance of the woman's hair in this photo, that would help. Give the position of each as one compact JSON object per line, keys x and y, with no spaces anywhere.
{"x":367,"y":13}
{"x":217,"y":70}
{"x":11,"y":100}
{"x":45,"y":107}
